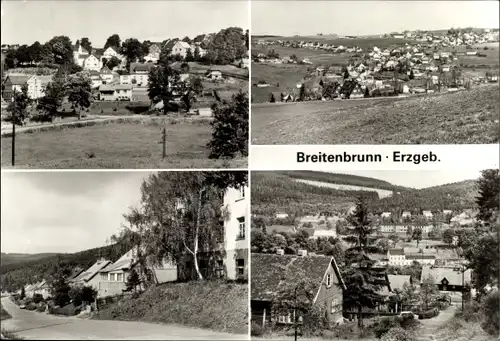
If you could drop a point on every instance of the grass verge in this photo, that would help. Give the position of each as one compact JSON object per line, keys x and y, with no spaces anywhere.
{"x":6,"y":335}
{"x":4,"y":315}
{"x":211,"y":305}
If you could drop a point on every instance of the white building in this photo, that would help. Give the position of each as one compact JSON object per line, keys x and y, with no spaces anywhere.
{"x":181,"y":48}
{"x":92,"y":63}
{"x":281,"y":215}
{"x":236,"y":233}
{"x":324,"y":234}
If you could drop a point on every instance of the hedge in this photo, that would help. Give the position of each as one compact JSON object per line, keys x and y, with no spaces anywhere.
{"x":428,"y":314}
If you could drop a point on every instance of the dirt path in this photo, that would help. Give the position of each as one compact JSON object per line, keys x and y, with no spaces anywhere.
{"x":429,"y":327}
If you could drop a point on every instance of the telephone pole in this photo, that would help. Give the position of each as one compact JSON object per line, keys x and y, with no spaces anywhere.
{"x":14,"y":131}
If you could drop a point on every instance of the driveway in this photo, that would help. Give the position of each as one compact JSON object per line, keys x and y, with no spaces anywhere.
{"x":40,"y":326}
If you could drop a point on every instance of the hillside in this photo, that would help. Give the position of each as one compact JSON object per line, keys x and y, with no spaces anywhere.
{"x":18,"y":258}
{"x":455,"y":196}
{"x":464,"y":117}
{"x":278,"y":191}
{"x":15,"y":275}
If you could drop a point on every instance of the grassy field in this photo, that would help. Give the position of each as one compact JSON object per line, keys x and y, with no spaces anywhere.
{"x":131,"y":144}
{"x":4,"y":315}
{"x":466,"y":117}
{"x":217,"y":306}
{"x":364,"y":42}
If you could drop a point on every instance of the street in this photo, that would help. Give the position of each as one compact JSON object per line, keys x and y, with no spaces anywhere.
{"x":40,"y":326}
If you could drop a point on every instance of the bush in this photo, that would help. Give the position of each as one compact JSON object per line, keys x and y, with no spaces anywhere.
{"x":383,"y":325}
{"x":67,"y":310}
{"x":40,"y":308}
{"x":470,"y":312}
{"x":399,"y":334}
{"x":137,"y":109}
{"x":37,"y":298}
{"x":32,"y":306}
{"x":256,"y":329}
{"x":491,"y":313}
{"x":428,"y":314}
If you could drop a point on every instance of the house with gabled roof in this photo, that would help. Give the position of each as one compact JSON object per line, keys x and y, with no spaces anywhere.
{"x":271,"y":273}
{"x":90,"y":276}
{"x":447,"y":279}
{"x":181,"y":48}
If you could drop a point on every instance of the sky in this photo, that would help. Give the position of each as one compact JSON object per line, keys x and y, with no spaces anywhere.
{"x":64,"y":211}
{"x":27,"y":21}
{"x":289,"y":18}
{"x":420,"y":179}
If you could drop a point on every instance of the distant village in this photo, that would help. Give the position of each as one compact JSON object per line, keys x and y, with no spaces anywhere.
{"x":429,"y":64}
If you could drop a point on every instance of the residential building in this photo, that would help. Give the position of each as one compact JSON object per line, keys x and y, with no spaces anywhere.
{"x":387,"y":228}
{"x":281,"y":215}
{"x":154,"y":54}
{"x":125,"y":79}
{"x":406,"y":214}
{"x":140,"y":95}
{"x":320,"y":233}
{"x":214,"y":74}
{"x":123,"y":92}
{"x":112,"y":279}
{"x":396,"y":282}
{"x":181,"y":48}
{"x":79,"y":55}
{"x":427,"y":214}
{"x":92,"y":63}
{"x":13,"y":83}
{"x":447,"y":279}
{"x":107,"y":92}
{"x":140,"y":68}
{"x":89,"y":277}
{"x":96,"y":79}
{"x":107,"y":75}
{"x":110,"y":52}
{"x":424,"y":259}
{"x":37,"y":86}
{"x":271,"y":273}
{"x":236,"y":233}
{"x":396,"y":257}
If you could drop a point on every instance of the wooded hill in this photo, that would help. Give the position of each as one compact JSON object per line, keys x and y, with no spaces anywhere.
{"x":278,"y":191}
{"x":17,"y":258}
{"x":37,"y":267}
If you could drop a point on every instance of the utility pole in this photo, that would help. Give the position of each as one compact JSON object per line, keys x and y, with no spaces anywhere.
{"x":164,"y":143}
{"x":463,"y":284}
{"x":295,"y":314}
{"x":14,"y":131}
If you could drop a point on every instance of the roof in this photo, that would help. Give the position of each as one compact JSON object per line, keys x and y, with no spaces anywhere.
{"x":105,"y":69}
{"x":397,"y":252}
{"x":106,"y":87}
{"x":397,"y":281}
{"x":88,"y":274}
{"x":18,"y":80}
{"x":269,"y":271}
{"x":44,"y":79}
{"x":120,"y":264}
{"x":420,"y":256}
{"x":451,"y":275}
{"x":183,"y":44}
{"x":123,"y":87}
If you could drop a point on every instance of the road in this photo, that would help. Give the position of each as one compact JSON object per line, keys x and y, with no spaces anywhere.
{"x":39,"y":326}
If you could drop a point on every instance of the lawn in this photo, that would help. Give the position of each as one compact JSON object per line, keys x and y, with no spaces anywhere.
{"x":211,"y":305}
{"x":130,"y":144}
{"x":466,"y":117}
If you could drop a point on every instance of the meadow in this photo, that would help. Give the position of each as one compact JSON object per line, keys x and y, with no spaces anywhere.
{"x":126,"y":143}
{"x":465,"y":117}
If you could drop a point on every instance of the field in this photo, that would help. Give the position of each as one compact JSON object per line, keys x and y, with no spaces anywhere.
{"x":364,"y":42}
{"x":210,"y":305}
{"x":466,"y":117}
{"x":130,"y":144}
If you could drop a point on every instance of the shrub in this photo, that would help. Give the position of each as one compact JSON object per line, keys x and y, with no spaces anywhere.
{"x":470,"y":312}
{"x":428,"y":314}
{"x":137,"y":109}
{"x":256,"y":329}
{"x":40,"y":308}
{"x":399,"y":334}
{"x":114,"y":109}
{"x":32,"y":306}
{"x":383,"y":325}
{"x":491,"y":313}
{"x":37,"y":298}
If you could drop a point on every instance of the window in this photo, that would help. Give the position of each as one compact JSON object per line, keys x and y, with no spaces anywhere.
{"x":329,"y":280}
{"x":120,"y":277}
{"x":334,"y":306}
{"x":240,"y":267}
{"x":242,"y":192}
{"x":104,"y":277}
{"x":241,"y":232}
{"x":112,"y":277}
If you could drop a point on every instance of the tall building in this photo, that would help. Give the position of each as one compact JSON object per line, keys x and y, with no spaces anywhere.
{"x":236,"y":233}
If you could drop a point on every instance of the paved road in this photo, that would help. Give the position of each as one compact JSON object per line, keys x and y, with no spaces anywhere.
{"x":40,"y":326}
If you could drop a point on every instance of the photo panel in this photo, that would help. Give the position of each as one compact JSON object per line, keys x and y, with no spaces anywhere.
{"x":121,"y":84}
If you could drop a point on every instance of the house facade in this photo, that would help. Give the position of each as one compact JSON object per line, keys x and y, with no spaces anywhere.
{"x":272,"y":273}
{"x":180,"y":48}
{"x":236,"y":233}
{"x":79,"y":55}
{"x":92,"y":63}
{"x":90,"y":276}
{"x":154,"y":54}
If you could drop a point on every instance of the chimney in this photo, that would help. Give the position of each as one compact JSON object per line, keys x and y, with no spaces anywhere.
{"x":280,"y":252}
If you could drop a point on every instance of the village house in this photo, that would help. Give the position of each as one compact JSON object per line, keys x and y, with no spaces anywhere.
{"x":92,"y":63}
{"x":397,"y":282}
{"x":96,"y":79}
{"x":154,"y":54}
{"x":107,"y":92}
{"x":323,"y":233}
{"x":400,"y":257}
{"x":447,"y":279}
{"x":140,"y":95}
{"x":181,"y":48}
{"x":427,"y":214}
{"x":107,"y":75}
{"x":123,"y":92}
{"x":396,"y":257}
{"x":89,"y":277}
{"x":79,"y":55}
{"x":36,"y":86}
{"x":112,"y":279}
{"x":214,"y":74}
{"x":13,"y":83}
{"x":273,"y":273}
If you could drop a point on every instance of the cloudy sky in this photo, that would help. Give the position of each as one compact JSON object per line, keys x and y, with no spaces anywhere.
{"x":27,"y":21}
{"x":421,"y":179}
{"x":368,"y":17}
{"x":64,"y":211}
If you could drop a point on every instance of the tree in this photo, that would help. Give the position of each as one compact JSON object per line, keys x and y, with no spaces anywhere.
{"x":227,"y":46}
{"x":412,"y":75}
{"x":36,"y":52}
{"x":346,"y":74}
{"x":79,"y":90}
{"x":133,"y":281}
{"x":86,"y":44}
{"x":114,"y":42}
{"x":428,"y":291}
{"x":180,"y":213}
{"x":61,"y":49}
{"x":302,"y":93}
{"x":197,"y":85}
{"x":272,"y":99}
{"x":113,"y":62}
{"x":489,"y":193}
{"x":187,"y":99}
{"x":409,"y":294}
{"x":189,"y":56}
{"x":134,"y":50}
{"x":417,"y":235}
{"x":197,"y":55}
{"x":82,"y":294}
{"x":362,"y":280}
{"x":184,"y":67}
{"x":19,"y":107}
{"x":23,"y":293}
{"x":163,"y":81}
{"x":53,"y":97}
{"x":230,"y":127}
{"x":60,"y":291}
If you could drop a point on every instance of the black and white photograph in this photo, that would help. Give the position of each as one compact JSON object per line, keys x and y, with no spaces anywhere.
{"x":375,"y":255}
{"x":374,"y":72}
{"x":125,"y":84}
{"x":125,"y":255}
